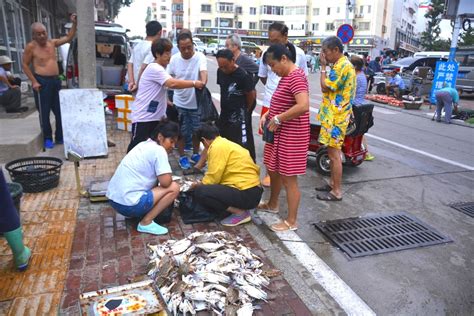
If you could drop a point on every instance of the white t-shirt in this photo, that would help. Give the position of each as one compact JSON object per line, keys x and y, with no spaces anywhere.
{"x":273,"y":79}
{"x":150,"y":100}
{"x":186,"y":69}
{"x":138,"y":172}
{"x":141,"y":52}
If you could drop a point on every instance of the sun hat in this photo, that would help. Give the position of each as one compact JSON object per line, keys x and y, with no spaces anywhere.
{"x":5,"y":60}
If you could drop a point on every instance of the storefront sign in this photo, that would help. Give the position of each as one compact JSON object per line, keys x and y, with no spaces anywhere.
{"x":227,"y":31}
{"x":445,"y":75}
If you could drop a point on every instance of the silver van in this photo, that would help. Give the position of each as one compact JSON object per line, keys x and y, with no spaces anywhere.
{"x":465,"y":80}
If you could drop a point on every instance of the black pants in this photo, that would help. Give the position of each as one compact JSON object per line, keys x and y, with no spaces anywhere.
{"x":370,"y":82}
{"x":11,"y":99}
{"x":141,"y":131}
{"x":9,"y":219}
{"x":219,"y":197}
{"x":49,"y":97}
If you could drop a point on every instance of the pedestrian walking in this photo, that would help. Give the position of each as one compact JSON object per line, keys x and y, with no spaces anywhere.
{"x":448,"y":98}
{"x":188,"y":65}
{"x":359,"y":98}
{"x":41,"y":54}
{"x":10,"y":226}
{"x":288,"y":119}
{"x":277,"y":34}
{"x":238,"y":97}
{"x":141,"y":54}
{"x":150,"y":104}
{"x":338,"y":92}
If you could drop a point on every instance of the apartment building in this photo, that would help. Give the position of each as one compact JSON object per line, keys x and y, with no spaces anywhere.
{"x":378,"y":24}
{"x":161,"y":10}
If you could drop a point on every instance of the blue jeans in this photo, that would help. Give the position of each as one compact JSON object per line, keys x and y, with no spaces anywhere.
{"x":444,"y":98}
{"x":189,"y":122}
{"x":144,"y":205}
{"x":49,"y":97}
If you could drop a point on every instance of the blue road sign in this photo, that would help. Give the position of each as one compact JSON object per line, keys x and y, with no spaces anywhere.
{"x":346,"y":33}
{"x":445,"y":75}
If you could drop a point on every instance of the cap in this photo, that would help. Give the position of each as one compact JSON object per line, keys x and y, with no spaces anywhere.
{"x":5,"y":60}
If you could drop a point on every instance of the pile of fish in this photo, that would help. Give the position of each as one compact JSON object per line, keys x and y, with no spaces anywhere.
{"x":208,"y":271}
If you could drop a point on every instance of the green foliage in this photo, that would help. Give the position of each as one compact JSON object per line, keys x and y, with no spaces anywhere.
{"x":115,"y":5}
{"x":430,"y":37}
{"x":467,"y":38}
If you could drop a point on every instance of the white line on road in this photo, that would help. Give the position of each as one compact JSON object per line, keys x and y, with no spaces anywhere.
{"x":421,"y":152}
{"x":384,"y":111}
{"x":349,"y":301}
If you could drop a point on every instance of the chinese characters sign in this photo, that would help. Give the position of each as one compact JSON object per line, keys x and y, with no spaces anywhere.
{"x":446,"y":73}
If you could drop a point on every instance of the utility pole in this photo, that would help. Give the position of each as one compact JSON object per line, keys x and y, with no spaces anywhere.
{"x":86,"y":43}
{"x":454,"y":40}
{"x":218,"y":31}
{"x":346,"y":21}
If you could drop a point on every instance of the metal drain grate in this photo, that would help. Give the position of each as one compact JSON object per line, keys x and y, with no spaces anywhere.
{"x":371,"y":235}
{"x":465,"y":207}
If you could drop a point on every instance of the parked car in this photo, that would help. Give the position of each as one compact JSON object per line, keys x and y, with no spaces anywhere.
{"x":200,"y":47}
{"x":465,"y":80}
{"x":408,"y":64}
{"x":250,"y":47}
{"x":212,"y":48}
{"x":112,"y":53}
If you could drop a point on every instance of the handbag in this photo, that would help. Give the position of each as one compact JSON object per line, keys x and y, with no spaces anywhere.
{"x":206,"y":108}
{"x":191,"y":211}
{"x":267,"y":136}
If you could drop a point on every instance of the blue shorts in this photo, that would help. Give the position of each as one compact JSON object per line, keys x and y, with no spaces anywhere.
{"x":144,"y":205}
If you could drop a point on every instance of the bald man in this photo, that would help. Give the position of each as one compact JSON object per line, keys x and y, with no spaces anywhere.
{"x":41,"y":54}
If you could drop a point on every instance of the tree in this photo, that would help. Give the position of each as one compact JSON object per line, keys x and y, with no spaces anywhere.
{"x":430,"y":38}
{"x":114,"y":6}
{"x":467,"y":37}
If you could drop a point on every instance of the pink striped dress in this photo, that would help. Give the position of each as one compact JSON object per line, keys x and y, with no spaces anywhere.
{"x":289,"y":152}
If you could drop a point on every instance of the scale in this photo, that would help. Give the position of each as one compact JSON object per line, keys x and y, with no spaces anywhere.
{"x":97,"y":189}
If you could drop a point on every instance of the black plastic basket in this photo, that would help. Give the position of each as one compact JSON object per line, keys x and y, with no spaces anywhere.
{"x":16,"y":192}
{"x":36,"y":174}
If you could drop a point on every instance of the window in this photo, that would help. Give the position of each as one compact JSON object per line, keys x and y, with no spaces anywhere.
{"x":238,"y":10}
{"x":295,"y":10}
{"x":253,"y":25}
{"x":329,"y":11}
{"x":163,"y":8}
{"x":225,"y":7}
{"x":265,"y":24}
{"x":330,"y":27}
{"x":206,"y":23}
{"x":315,"y":27}
{"x":177,"y":7}
{"x":224,"y":22}
{"x":163,"y":16}
{"x":205,"y":8}
{"x":369,"y":7}
{"x":316,"y":11}
{"x":364,"y":26}
{"x":253,"y":11}
{"x":361,"y":10}
{"x":338,"y":10}
{"x":271,"y":9}
{"x":238,"y":24}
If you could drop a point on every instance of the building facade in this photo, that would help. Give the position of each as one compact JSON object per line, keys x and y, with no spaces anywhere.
{"x":378,"y":24}
{"x":16,"y":17}
{"x":161,"y":11}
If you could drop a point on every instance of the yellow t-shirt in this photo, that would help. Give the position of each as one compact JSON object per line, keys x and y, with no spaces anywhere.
{"x":230,"y":164}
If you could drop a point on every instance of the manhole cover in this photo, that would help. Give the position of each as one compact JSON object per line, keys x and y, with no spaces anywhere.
{"x":466,"y":207}
{"x":371,"y":235}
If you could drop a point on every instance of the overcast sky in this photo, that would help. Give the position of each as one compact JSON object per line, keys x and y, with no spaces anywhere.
{"x":133,"y":18}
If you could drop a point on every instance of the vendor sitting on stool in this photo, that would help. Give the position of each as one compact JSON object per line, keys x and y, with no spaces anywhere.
{"x":133,"y":190}
{"x":10,"y":94}
{"x":395,"y":85}
{"x":232,"y":182}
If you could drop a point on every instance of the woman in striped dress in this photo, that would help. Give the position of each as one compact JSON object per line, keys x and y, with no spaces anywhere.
{"x":288,"y":118}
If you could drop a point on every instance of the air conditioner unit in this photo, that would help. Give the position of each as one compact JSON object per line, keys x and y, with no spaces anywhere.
{"x":356,"y":26}
{"x":359,"y":16}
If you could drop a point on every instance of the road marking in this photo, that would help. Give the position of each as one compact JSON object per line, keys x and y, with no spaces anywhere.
{"x":421,"y":152}
{"x":349,"y":301}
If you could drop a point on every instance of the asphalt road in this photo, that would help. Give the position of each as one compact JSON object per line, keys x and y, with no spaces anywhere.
{"x":420,"y":167}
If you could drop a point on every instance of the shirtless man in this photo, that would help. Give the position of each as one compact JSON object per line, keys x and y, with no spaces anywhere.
{"x":41,"y":53}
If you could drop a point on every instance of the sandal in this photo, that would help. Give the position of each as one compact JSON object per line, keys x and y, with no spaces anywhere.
{"x":325,"y":188}
{"x":264,"y":207}
{"x":283,"y":226}
{"x":328,"y":196}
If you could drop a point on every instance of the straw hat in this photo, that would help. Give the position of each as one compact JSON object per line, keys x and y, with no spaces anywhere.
{"x":5,"y":60}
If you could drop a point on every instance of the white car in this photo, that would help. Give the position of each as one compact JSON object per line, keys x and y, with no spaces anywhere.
{"x":200,"y":47}
{"x":212,"y":48}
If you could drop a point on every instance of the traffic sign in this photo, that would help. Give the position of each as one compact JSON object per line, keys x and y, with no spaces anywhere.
{"x":446,"y":74}
{"x":346,"y":33}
